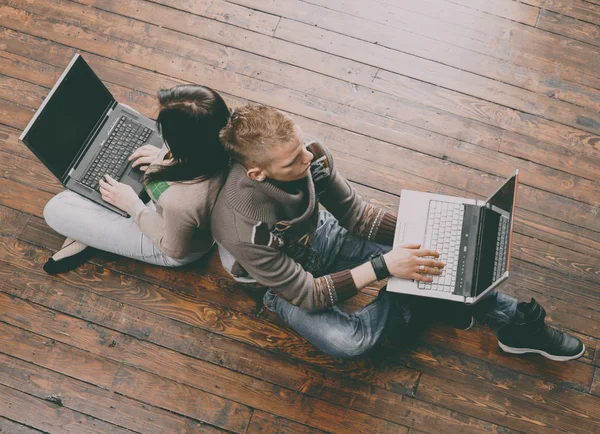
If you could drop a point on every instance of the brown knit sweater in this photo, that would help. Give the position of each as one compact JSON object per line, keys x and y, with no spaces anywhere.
{"x":269,"y":229}
{"x":180,"y":224}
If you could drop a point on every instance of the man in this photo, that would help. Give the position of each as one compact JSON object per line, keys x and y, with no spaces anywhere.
{"x":269,"y":229}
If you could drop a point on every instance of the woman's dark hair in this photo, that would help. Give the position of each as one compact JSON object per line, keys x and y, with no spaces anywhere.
{"x":190,"y":119}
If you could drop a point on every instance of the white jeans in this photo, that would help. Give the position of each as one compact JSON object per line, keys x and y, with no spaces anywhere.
{"x":78,"y":218}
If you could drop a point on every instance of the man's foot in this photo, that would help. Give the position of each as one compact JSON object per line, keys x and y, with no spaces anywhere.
{"x":70,"y":256}
{"x":530,"y":334}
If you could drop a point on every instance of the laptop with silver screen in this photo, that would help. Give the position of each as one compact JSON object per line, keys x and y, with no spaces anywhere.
{"x":472,"y":237}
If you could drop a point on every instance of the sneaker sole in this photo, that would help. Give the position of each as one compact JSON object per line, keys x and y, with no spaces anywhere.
{"x":473,"y":322}
{"x":513,"y":350}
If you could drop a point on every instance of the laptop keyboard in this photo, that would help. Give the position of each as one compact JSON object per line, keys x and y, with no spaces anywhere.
{"x":501,"y":248}
{"x":126,"y":137}
{"x":443,"y":233}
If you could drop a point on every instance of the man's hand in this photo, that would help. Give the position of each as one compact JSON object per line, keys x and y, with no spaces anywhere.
{"x":409,"y":261}
{"x":118,"y":194}
{"x":144,"y":156}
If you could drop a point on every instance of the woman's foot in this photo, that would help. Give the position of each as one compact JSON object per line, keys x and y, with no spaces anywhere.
{"x":70,"y":256}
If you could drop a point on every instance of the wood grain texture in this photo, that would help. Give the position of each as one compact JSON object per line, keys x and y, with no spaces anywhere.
{"x":446,"y":96}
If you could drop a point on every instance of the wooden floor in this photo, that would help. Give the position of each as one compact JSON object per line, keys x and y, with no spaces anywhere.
{"x":437,"y":95}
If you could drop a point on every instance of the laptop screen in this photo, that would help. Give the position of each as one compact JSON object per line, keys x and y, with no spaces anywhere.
{"x":67,"y":117}
{"x":494,"y":244}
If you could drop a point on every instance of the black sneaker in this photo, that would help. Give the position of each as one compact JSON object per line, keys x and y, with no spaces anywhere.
{"x":69,"y":263}
{"x":458,"y":315}
{"x":530,"y":334}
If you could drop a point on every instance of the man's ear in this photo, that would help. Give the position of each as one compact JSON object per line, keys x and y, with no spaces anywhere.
{"x":256,"y":174}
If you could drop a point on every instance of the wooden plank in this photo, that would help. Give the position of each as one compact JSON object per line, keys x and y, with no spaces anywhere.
{"x":569,"y":27}
{"x":557,"y":258}
{"x":9,"y":427}
{"x":587,"y":11}
{"x":595,"y":389}
{"x":141,"y":384}
{"x":31,"y":173}
{"x":539,"y":279}
{"x":516,"y":409}
{"x":103,"y":372}
{"x":19,"y":91}
{"x":508,"y":9}
{"x":91,"y":400}
{"x":22,"y":197}
{"x":15,"y":115}
{"x":558,"y":233}
{"x":433,"y":46}
{"x":225,"y":11}
{"x":48,"y":416}
{"x":442,"y":75}
{"x":473,"y":30}
{"x":31,"y":93}
{"x":12,"y":222}
{"x":578,"y":159}
{"x":557,"y":139}
{"x":264,"y":422}
{"x":38,"y":233}
{"x":9,"y":142}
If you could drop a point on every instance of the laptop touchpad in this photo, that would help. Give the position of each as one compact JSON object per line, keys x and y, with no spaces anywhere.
{"x":413,"y":234}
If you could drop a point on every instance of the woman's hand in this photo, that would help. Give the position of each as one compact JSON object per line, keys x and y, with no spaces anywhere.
{"x":144,"y":156}
{"x":409,"y":262}
{"x":118,"y":194}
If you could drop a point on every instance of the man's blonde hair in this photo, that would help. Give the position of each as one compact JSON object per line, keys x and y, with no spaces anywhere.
{"x":254,"y":130}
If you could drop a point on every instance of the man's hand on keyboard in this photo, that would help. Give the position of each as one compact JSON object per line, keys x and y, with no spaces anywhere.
{"x":409,"y":261}
{"x":144,"y":156}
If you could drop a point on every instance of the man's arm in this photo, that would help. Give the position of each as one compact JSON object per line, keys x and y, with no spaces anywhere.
{"x":342,"y":200}
{"x":276,"y":270}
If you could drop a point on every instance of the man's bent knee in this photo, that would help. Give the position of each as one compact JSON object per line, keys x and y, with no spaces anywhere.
{"x":351,"y":346}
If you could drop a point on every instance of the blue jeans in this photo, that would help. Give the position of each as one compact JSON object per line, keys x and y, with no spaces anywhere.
{"x":349,"y":336}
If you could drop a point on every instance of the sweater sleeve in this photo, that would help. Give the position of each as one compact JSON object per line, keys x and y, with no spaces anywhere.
{"x":357,"y":216}
{"x":276,"y":270}
{"x":172,"y":232}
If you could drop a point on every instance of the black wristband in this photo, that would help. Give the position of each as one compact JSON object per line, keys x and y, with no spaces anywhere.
{"x":380,"y":267}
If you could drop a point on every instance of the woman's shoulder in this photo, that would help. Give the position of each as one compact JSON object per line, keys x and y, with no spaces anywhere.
{"x":189,"y":194}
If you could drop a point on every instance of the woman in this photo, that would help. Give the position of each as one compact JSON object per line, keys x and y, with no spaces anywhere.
{"x":182,"y":179}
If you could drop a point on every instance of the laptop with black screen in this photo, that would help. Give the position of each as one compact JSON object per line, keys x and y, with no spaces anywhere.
{"x":80,"y":133}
